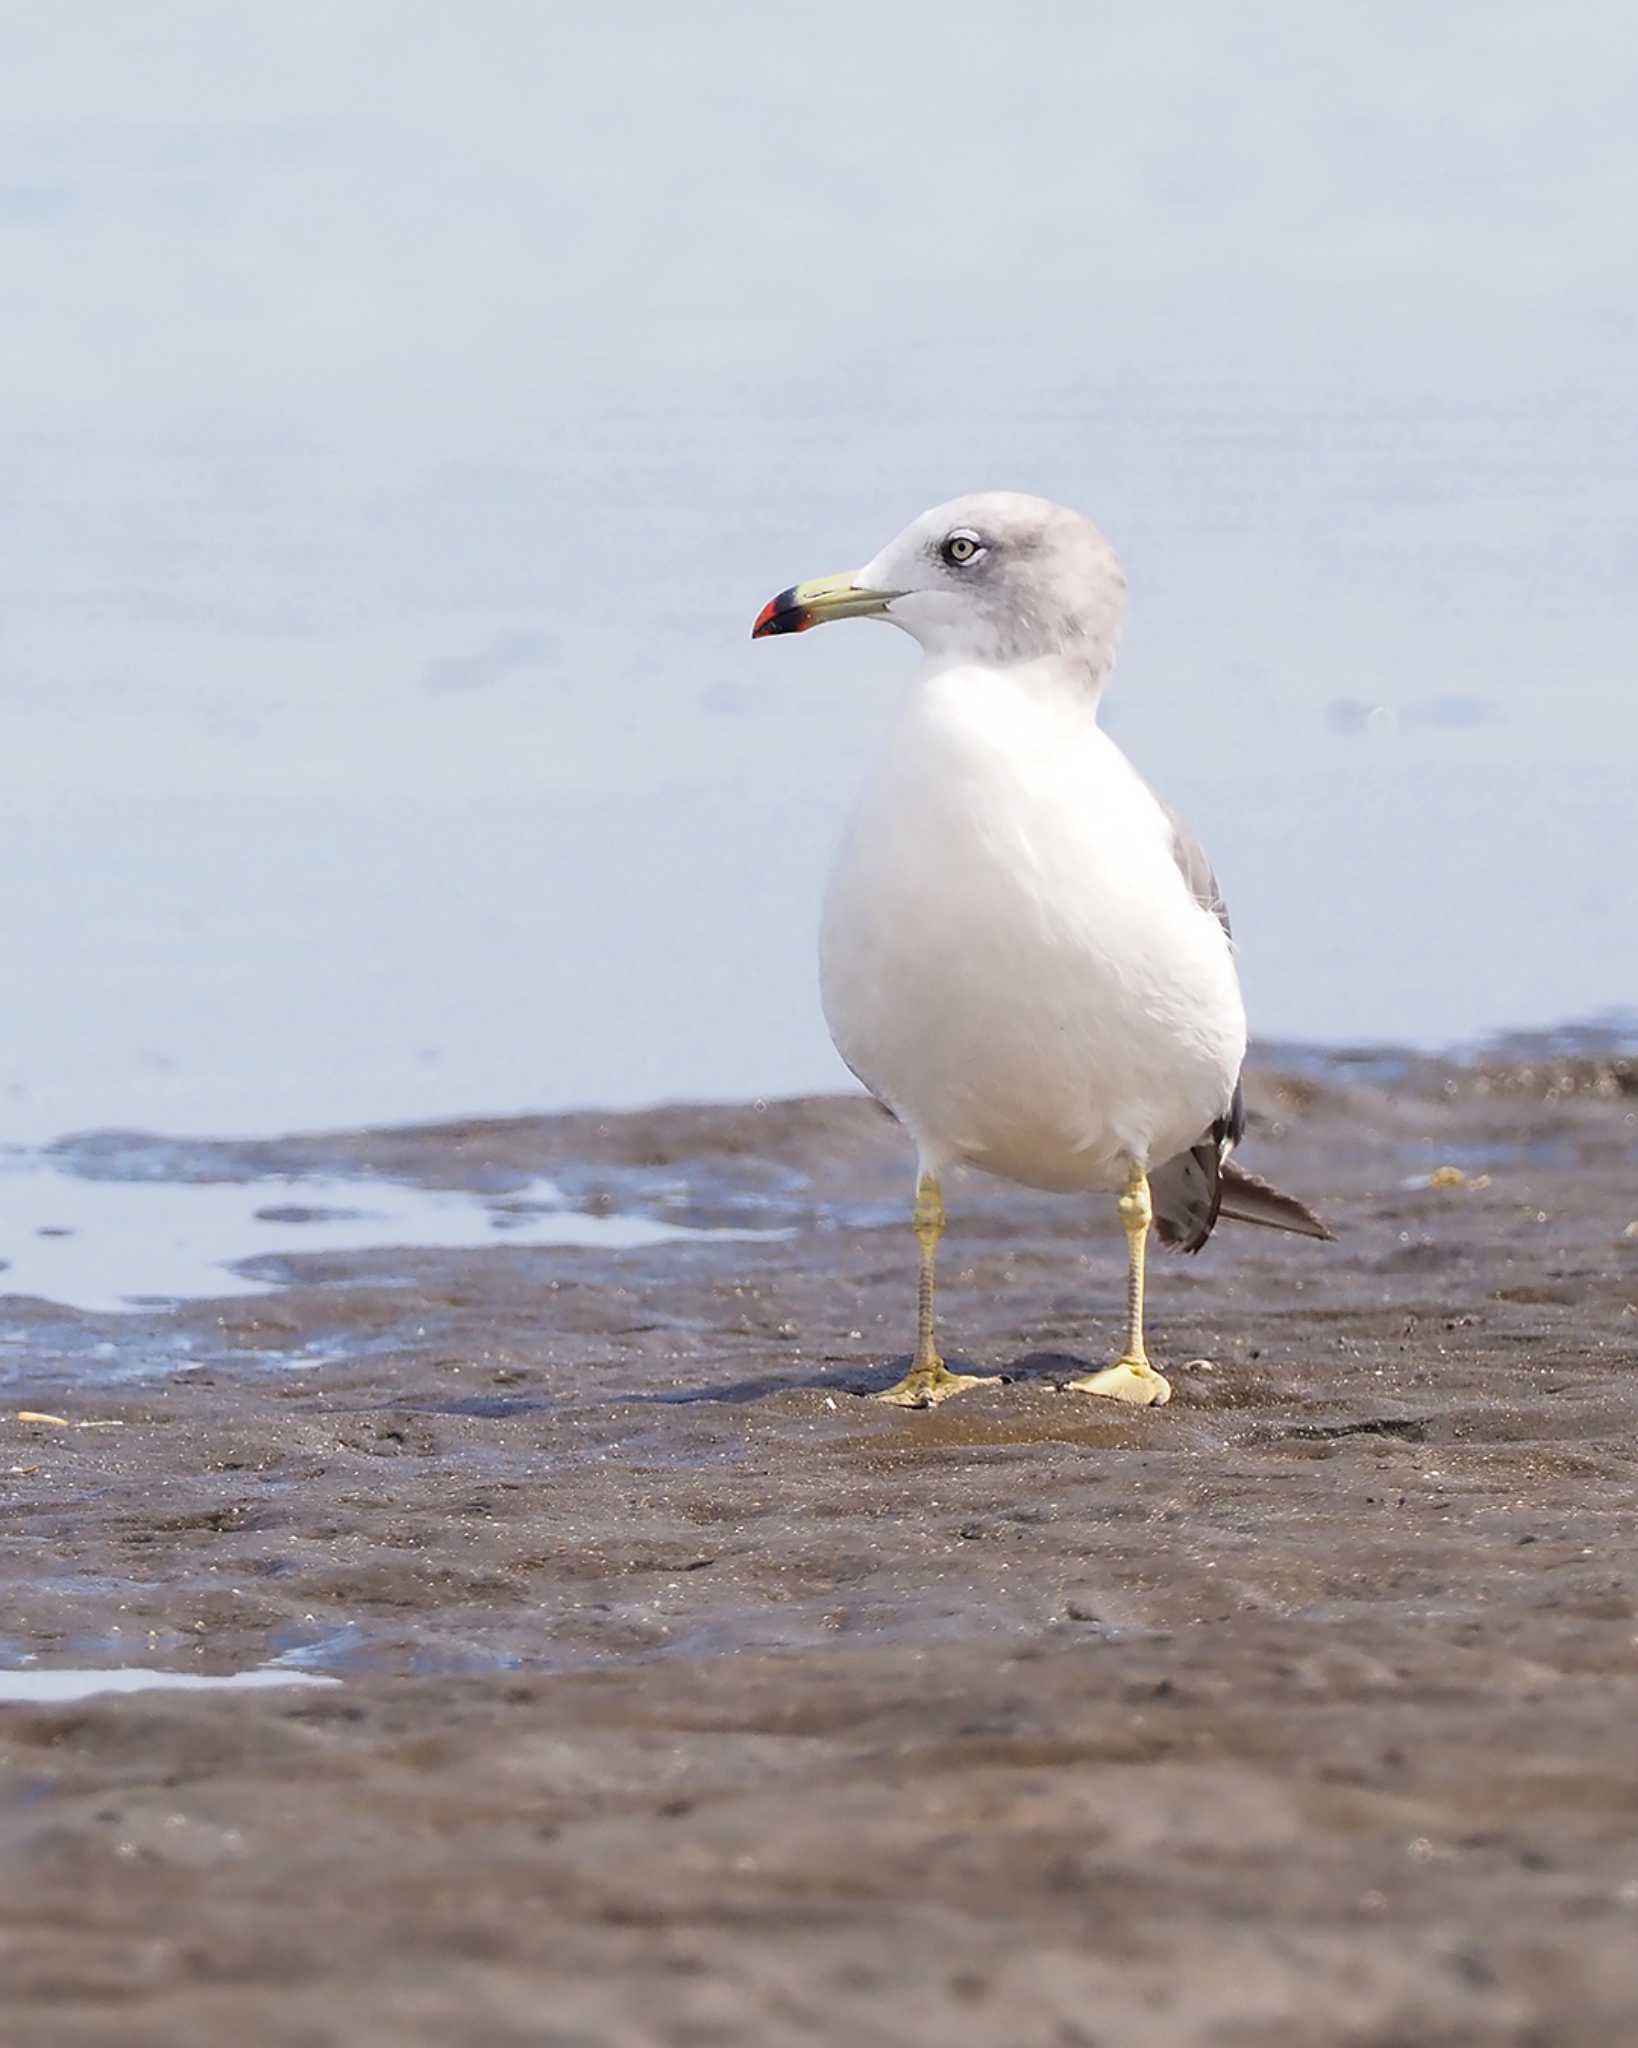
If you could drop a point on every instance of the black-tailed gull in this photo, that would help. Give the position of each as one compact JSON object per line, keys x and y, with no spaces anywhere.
{"x":1024,"y":955}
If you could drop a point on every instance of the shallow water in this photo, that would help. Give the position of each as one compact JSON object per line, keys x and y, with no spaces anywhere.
{"x":379,"y":732}
{"x":131,"y":1224}
{"x":109,"y":1245}
{"x":59,"y":1687}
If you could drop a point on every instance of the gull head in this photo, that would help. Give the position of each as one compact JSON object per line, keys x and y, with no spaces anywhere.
{"x":994,"y":577}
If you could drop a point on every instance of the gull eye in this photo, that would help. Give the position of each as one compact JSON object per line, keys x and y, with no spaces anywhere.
{"x":961,"y":547}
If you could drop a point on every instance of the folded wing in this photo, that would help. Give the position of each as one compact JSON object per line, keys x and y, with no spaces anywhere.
{"x":1193,"y":1190}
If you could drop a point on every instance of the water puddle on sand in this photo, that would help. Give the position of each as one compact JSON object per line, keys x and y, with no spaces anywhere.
{"x":107,"y":1245}
{"x":59,"y":1688}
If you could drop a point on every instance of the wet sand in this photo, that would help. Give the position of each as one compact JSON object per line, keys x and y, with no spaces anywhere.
{"x":683,"y":1696}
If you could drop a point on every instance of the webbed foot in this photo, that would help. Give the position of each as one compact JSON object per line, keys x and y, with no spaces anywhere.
{"x":924,"y":1386}
{"x":1128,"y":1379}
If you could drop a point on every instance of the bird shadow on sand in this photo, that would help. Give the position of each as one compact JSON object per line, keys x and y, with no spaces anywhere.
{"x":739,"y":1392}
{"x":1050,"y":1368}
{"x":1034,"y":1368}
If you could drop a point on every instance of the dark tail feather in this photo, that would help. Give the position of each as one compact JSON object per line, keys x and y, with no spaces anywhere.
{"x":1250,"y":1200}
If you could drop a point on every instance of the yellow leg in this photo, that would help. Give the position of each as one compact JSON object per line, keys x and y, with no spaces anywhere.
{"x":929,"y":1379}
{"x":1131,"y":1377}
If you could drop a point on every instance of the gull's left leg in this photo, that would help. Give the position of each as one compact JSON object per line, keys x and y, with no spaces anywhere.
{"x":929,"y":1379}
{"x":1131,"y":1377}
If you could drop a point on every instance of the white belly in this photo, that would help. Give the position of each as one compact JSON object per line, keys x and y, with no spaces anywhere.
{"x":1010,"y":957}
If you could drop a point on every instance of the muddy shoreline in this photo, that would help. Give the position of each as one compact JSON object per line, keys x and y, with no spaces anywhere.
{"x":683,"y":1696}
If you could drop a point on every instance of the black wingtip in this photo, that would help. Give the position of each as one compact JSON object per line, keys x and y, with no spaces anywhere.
{"x":1248,"y":1199}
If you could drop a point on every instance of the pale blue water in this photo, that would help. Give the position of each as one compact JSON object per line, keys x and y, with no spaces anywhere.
{"x":61,"y":1686}
{"x":406,"y":411}
{"x":144,"y":1237}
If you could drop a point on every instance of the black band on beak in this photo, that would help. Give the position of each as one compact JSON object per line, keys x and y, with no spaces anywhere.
{"x":782,"y":614}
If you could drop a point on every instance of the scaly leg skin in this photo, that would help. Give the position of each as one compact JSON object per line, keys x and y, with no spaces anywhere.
{"x":929,"y":1379}
{"x":1131,"y":1377}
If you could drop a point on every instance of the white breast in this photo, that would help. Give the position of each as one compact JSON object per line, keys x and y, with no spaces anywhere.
{"x":1010,"y":957}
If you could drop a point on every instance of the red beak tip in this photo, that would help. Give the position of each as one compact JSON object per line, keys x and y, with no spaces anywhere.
{"x":781,"y":614}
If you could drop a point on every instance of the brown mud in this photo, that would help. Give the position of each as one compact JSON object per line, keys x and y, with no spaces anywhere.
{"x":684,"y":1696}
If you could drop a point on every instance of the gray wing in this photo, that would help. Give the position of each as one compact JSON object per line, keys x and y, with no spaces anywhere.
{"x":1195,"y":869}
{"x":1187,"y":1191}
{"x":1191,"y":1191}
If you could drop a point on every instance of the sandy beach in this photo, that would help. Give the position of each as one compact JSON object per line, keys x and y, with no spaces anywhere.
{"x":673,"y":1693}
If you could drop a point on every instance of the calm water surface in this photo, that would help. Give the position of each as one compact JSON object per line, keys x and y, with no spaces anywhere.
{"x":406,"y":413}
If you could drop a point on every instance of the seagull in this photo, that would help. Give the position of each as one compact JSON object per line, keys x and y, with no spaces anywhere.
{"x":1024,"y":954}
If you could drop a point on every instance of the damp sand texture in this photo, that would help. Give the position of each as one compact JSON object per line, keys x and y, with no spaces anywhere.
{"x":682,"y":1695}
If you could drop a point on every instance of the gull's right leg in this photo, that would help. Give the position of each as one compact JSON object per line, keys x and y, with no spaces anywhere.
{"x":1131,"y":1377}
{"x":929,"y":1379}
